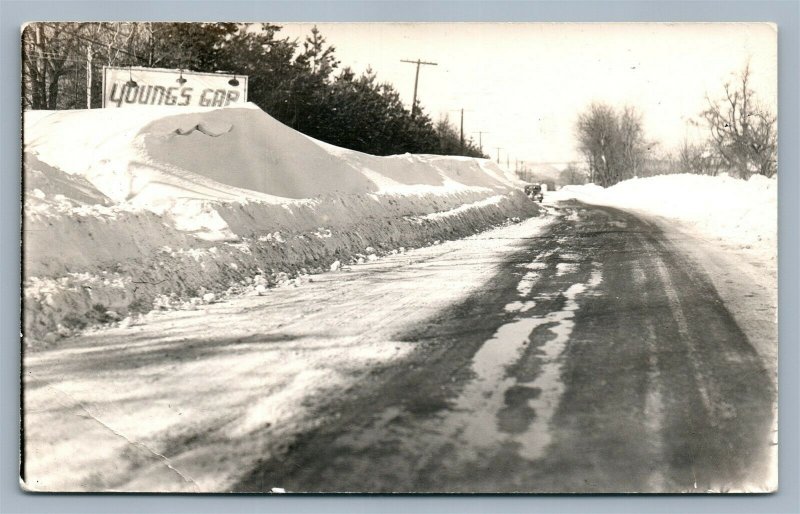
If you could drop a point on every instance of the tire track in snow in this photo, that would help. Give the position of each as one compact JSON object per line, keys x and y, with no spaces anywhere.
{"x":654,"y":402}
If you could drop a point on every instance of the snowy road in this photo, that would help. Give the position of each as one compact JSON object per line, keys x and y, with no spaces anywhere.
{"x":581,"y":352}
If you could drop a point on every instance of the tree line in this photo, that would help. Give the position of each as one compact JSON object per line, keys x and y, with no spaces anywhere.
{"x":302,"y":84}
{"x":742,"y":140}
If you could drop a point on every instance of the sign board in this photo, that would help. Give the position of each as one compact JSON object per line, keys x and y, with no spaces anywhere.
{"x":124,"y":87}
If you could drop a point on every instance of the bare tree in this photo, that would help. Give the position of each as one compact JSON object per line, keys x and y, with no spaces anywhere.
{"x":55,"y":59}
{"x":572,"y":175}
{"x":699,"y":158}
{"x":631,"y":141}
{"x":612,"y":143}
{"x":48,"y":54}
{"x":744,"y":132}
{"x":596,"y":134}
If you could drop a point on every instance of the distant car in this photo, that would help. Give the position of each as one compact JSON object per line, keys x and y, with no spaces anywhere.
{"x":534,"y":192}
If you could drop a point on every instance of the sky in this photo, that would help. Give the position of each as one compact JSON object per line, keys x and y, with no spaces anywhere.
{"x":524,"y":84}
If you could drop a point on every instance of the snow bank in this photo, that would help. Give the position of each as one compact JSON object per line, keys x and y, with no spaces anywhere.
{"x":146,"y":155}
{"x":130,"y":208}
{"x":175,"y":164}
{"x":742,"y":214}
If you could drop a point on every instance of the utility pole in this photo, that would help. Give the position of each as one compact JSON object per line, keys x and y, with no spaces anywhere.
{"x":416,"y":81}
{"x":480,"y":138}
{"x":462,"y":130}
{"x":89,"y":77}
{"x":498,"y":153}
{"x":461,"y":137}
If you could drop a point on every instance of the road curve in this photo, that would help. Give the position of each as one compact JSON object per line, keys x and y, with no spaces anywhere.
{"x":598,"y":360}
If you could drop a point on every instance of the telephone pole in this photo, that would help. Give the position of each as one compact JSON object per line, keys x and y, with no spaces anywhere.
{"x":416,"y":81}
{"x":89,"y":77}
{"x":480,"y":138}
{"x":462,"y":130}
{"x":498,"y":153}
{"x":461,"y":138}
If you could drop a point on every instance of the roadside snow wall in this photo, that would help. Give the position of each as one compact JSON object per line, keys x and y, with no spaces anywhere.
{"x":740,"y":214}
{"x":132,"y":209}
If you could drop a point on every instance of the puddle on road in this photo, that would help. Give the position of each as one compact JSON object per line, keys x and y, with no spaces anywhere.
{"x":475,"y":418}
{"x":537,"y":437}
{"x":475,"y":411}
{"x":494,"y":409}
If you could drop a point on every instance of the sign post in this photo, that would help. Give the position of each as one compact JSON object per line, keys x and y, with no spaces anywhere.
{"x":159,"y":86}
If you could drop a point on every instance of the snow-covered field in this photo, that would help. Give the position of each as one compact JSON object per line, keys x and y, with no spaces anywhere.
{"x":130,"y":209}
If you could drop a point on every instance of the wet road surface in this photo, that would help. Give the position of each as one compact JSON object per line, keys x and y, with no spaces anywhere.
{"x":597,"y":360}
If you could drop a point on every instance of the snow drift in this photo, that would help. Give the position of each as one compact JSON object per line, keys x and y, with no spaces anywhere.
{"x":739,"y":214}
{"x":129,"y":208}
